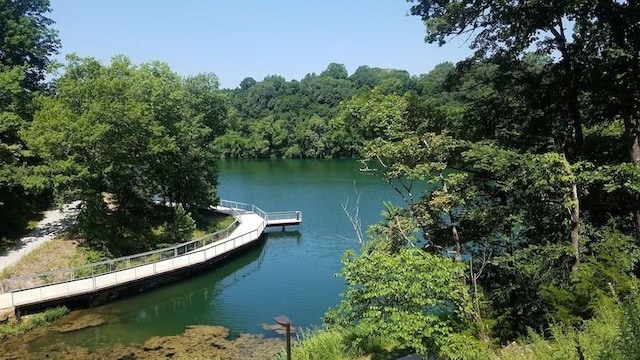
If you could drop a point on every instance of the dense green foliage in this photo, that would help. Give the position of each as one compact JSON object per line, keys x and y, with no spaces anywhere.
{"x":26,"y":43}
{"x":296,"y":119}
{"x":410,"y":297}
{"x":522,"y":163}
{"x":519,"y":168}
{"x":119,"y":136}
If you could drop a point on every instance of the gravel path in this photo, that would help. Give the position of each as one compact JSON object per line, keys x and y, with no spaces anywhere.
{"x":54,"y":223}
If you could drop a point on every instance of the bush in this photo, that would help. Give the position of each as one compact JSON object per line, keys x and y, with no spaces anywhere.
{"x":31,"y":322}
{"x":611,"y":334}
{"x":321,"y":345}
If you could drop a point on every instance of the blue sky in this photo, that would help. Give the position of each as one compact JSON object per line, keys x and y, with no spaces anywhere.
{"x":235,"y":39}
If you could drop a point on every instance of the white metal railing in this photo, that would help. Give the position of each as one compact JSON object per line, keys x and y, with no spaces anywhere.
{"x":285,"y":215}
{"x":269,"y":216}
{"x":126,"y":262}
{"x":107,"y":266}
{"x":246,"y":207}
{"x":107,"y":280}
{"x":56,"y":284}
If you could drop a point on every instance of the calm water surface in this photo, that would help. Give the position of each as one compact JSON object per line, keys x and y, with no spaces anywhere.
{"x":289,"y":272}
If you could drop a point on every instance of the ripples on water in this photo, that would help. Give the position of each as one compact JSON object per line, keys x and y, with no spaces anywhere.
{"x":289,"y":272}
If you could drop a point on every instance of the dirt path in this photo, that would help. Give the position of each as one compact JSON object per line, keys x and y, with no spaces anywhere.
{"x":54,"y":223}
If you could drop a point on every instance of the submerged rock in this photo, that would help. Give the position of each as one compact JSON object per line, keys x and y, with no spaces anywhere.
{"x":82,"y":322}
{"x":208,"y":342}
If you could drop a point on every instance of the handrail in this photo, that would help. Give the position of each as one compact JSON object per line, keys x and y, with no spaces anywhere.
{"x":285,"y":215}
{"x":108,"y":266}
{"x":246,"y":207}
{"x":197,"y":248}
{"x":117,"y":264}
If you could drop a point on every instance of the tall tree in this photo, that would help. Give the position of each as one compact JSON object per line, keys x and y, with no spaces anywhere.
{"x":116,"y":136}
{"x":336,"y":71}
{"x":604,"y":37}
{"x":26,"y":43}
{"x":27,"y":39}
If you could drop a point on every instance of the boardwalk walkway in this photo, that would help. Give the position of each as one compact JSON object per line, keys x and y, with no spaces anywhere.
{"x":93,"y":278}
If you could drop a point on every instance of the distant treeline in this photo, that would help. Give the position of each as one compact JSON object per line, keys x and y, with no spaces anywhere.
{"x":276,"y":118}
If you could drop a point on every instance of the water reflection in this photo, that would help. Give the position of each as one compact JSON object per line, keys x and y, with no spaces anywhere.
{"x":290,"y":272}
{"x":166,"y":310}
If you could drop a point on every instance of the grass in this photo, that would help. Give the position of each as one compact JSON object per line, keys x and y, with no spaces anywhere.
{"x":208,"y":221}
{"x":59,"y":253}
{"x":321,"y":345}
{"x":30,"y":322}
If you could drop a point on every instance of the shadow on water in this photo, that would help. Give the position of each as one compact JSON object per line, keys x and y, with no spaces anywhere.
{"x":166,"y":310}
{"x":277,"y":233}
{"x":289,"y":272}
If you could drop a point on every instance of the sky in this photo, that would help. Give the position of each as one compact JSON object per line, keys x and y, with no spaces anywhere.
{"x":236,"y":39}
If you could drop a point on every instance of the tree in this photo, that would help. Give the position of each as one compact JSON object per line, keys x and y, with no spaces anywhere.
{"x":206,"y":102}
{"x":411,"y":298}
{"x":604,"y":40}
{"x":246,"y":83}
{"x":116,"y":136}
{"x":391,"y":80}
{"x":26,"y":41}
{"x":336,"y":71}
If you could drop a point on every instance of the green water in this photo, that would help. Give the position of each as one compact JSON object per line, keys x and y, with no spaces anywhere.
{"x":289,"y":273}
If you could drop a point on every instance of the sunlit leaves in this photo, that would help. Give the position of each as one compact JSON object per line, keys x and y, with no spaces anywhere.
{"x":410,"y":297}
{"x":123,"y":134}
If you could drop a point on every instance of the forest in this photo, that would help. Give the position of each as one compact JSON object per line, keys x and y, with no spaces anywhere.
{"x":524,"y":245}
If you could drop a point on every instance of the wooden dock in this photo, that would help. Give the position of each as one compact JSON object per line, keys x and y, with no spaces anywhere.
{"x":70,"y":283}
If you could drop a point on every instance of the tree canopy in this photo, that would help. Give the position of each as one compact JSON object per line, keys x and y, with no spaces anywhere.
{"x":520,"y":163}
{"x":27,"y":41}
{"x":120,"y":136}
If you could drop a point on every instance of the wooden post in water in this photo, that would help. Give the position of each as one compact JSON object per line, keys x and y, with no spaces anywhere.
{"x":284,"y":321}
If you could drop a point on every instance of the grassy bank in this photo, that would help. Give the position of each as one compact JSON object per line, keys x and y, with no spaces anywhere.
{"x":208,"y":221}
{"x":31,"y":322}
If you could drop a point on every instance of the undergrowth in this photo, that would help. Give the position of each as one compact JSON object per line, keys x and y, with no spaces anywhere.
{"x":30,"y":322}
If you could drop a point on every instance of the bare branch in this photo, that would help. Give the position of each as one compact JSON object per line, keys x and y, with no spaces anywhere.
{"x":354,"y":216}
{"x":406,"y":238}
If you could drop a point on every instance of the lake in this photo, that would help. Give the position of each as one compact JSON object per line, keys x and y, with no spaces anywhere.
{"x":290,"y":272}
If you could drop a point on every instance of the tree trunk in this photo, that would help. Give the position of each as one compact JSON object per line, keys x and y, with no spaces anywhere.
{"x":456,"y":239}
{"x":575,"y":224}
{"x":574,"y":214}
{"x":632,"y":130}
{"x":574,"y":113}
{"x":569,"y":79}
{"x":454,"y":229}
{"x":632,"y":134}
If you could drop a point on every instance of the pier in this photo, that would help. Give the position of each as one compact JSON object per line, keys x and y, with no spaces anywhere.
{"x":59,"y":285}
